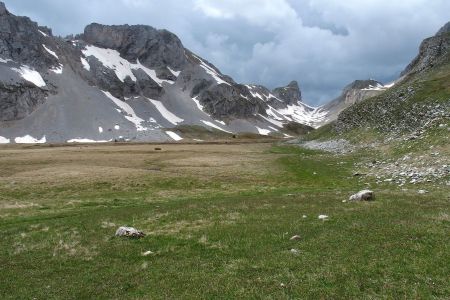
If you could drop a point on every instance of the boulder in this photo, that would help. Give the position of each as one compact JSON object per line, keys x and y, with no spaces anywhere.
{"x":129,"y":232}
{"x":365,"y":195}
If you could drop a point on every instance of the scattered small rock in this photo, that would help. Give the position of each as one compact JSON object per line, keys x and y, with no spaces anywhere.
{"x":323,"y":217}
{"x":295,"y":238}
{"x":364,"y":195}
{"x":295,"y":251}
{"x":422,"y":191}
{"x":304,"y":216}
{"x":129,"y":232}
{"x":147,"y":253}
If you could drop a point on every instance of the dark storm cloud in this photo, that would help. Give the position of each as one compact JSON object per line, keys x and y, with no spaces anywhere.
{"x":324,"y":44}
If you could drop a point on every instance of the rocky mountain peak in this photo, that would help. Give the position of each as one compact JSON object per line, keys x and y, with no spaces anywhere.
{"x":290,"y":94}
{"x":444,"y":29}
{"x":152,"y":47}
{"x":362,"y":84}
{"x":3,"y":9}
{"x":432,"y":51}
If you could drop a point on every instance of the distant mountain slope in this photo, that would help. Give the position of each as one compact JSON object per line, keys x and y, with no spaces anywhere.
{"x":419,"y":99}
{"x":126,"y":83}
{"x":355,"y":92}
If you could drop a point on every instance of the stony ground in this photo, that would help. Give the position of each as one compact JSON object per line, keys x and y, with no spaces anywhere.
{"x":219,"y":222}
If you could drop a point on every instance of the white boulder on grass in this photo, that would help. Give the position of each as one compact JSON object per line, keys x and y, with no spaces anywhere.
{"x":364,"y":195}
{"x":129,"y":232}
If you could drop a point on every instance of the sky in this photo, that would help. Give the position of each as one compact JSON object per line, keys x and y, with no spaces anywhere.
{"x":323,"y":44}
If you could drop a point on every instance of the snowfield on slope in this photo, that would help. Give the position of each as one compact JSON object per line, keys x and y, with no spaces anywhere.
{"x":122,"y":67}
{"x":129,"y":111}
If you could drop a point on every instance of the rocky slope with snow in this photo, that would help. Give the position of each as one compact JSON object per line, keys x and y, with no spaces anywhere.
{"x":126,"y":82}
{"x":355,"y":92}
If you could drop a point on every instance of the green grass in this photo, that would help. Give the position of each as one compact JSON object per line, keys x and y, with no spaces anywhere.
{"x":223,"y":235}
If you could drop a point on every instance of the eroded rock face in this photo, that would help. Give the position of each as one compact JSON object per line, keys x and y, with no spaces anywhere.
{"x":431,"y":51}
{"x":290,"y":94}
{"x":21,"y":41}
{"x":154,"y":48}
{"x":18,"y":101}
{"x":444,"y":29}
{"x":224,"y":101}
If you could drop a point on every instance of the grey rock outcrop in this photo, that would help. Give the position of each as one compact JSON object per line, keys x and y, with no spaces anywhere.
{"x":23,"y":42}
{"x":152,"y":47}
{"x":18,"y":101}
{"x":290,"y":94}
{"x":444,"y":29}
{"x":432,"y":51}
{"x":355,"y":92}
{"x":365,"y":195}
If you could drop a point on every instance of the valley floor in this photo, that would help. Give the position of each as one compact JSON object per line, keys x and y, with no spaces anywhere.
{"x":218,"y":219}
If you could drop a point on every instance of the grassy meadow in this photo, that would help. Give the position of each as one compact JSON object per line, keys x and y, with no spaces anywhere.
{"x":218,"y":219}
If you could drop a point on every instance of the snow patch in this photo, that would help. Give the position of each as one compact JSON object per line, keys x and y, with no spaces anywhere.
{"x":174,"y":136}
{"x":4,"y":140}
{"x":150,"y":73}
{"x":4,"y":60}
{"x":116,"y":127}
{"x":122,"y":67}
{"x":30,"y":75}
{"x":43,"y":33}
{"x":165,"y":112}
{"x":100,"y":129}
{"x":50,"y":51}
{"x":214,"y":126}
{"x":57,"y":70}
{"x":85,"y":63}
{"x":273,"y":121}
{"x":175,"y":73}
{"x":302,"y":114}
{"x":209,"y":70}
{"x":28,"y":139}
{"x":263,"y":131}
{"x":86,"y":141}
{"x":197,"y":102}
{"x":129,"y":111}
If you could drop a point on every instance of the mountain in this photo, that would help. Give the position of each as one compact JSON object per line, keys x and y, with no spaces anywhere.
{"x":127,"y":82}
{"x":419,"y":100}
{"x":356,"y":91}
